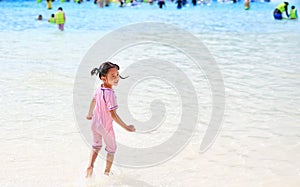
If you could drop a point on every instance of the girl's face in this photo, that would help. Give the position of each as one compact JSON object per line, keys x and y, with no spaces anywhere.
{"x":112,"y":78}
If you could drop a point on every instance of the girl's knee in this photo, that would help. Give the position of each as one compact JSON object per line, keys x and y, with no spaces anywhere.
{"x":96,"y":150}
{"x":111,"y":150}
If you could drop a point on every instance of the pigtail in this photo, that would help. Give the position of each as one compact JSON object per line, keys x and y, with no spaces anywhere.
{"x":95,"y":71}
{"x":123,"y":77}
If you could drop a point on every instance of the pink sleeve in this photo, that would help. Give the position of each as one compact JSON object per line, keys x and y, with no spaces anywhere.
{"x":111,"y":100}
{"x":96,"y":93}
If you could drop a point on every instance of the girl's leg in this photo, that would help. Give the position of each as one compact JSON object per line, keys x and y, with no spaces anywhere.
{"x":61,"y":27}
{"x":89,"y":170}
{"x":109,"y":161}
{"x":110,"y":141}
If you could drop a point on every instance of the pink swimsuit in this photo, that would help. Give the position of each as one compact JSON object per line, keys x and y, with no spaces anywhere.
{"x":102,"y":120}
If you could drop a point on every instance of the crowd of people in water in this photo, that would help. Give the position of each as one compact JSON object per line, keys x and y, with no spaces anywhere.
{"x":160,"y":3}
{"x":283,"y":8}
{"x":59,"y":17}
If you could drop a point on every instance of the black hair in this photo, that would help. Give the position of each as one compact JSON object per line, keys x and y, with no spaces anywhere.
{"x":287,"y":3}
{"x":103,"y":69}
{"x":293,"y":7}
{"x":60,"y":9}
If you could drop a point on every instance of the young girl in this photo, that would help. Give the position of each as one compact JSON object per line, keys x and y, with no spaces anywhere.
{"x":293,"y":13}
{"x":102,"y":112}
{"x":60,"y":18}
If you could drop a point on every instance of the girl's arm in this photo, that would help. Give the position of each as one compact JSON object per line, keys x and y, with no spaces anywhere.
{"x":118,"y":120}
{"x":92,"y":106}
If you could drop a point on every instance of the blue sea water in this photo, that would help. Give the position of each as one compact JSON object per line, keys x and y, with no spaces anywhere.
{"x":215,"y":17}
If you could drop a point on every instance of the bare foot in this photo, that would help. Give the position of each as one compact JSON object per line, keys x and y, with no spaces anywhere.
{"x":89,"y":172}
{"x":106,"y":172}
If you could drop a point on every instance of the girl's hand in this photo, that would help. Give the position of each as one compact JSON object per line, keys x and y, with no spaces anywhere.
{"x":89,"y":117}
{"x":130,"y":128}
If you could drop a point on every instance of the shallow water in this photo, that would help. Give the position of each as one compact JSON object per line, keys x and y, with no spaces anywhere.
{"x":259,"y":144}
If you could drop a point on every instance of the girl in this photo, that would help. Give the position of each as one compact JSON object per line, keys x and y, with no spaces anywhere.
{"x":102,"y":112}
{"x":60,"y":18}
{"x":293,"y":13}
